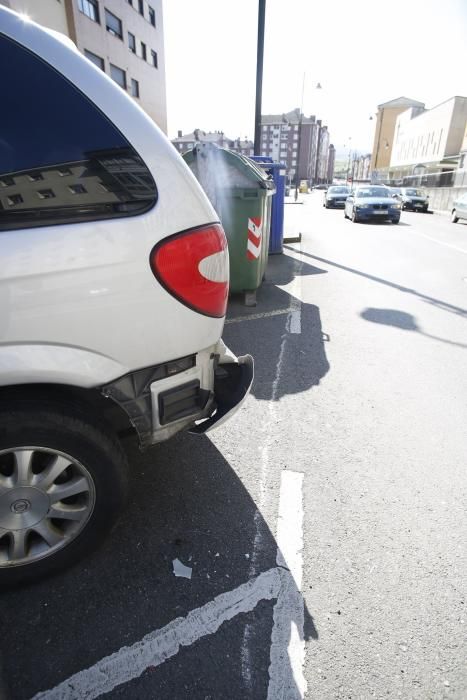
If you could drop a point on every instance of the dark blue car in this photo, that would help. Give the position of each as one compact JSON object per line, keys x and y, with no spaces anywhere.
{"x":372,"y":203}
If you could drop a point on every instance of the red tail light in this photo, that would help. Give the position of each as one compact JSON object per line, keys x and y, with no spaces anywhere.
{"x":194,"y":267}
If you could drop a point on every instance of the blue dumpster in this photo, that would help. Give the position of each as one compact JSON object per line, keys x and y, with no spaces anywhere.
{"x":277,"y":172}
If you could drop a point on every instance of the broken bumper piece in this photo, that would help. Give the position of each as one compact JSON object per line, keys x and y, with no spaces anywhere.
{"x":232,"y":384}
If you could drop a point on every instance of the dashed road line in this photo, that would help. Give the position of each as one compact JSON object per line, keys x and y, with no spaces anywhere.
{"x":287,"y":656}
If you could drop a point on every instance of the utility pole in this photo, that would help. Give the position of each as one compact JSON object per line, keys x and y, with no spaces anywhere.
{"x":259,"y":75}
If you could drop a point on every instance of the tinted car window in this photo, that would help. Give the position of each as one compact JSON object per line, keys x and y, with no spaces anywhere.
{"x":61,"y":159}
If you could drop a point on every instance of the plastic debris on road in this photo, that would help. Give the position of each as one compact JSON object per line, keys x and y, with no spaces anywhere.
{"x":181,"y":570}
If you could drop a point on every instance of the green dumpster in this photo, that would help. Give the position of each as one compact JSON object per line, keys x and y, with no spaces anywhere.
{"x":241,"y":193}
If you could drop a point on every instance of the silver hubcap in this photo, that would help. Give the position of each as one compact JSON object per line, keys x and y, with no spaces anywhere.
{"x":46,"y":499}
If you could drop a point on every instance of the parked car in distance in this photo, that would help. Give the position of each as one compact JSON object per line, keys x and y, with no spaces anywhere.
{"x":414,"y":198}
{"x":459,"y":209}
{"x":321,"y":186}
{"x":112,"y":300}
{"x":335,"y":196}
{"x":372,"y":202}
{"x":396,"y":192}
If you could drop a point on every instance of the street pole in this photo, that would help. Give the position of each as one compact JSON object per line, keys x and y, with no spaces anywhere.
{"x":299,"y":143}
{"x":259,"y":75}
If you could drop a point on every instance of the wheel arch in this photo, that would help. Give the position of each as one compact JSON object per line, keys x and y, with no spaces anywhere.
{"x":89,"y":402}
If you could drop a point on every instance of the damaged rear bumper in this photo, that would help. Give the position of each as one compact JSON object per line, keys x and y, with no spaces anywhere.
{"x":198,"y":392}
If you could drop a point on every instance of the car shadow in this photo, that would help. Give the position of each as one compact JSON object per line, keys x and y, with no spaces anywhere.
{"x":186,"y":503}
{"x":262,"y":332}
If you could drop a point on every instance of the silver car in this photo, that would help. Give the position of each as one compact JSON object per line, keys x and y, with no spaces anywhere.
{"x":459,"y":209}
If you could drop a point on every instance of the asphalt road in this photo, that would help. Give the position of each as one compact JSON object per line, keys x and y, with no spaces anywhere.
{"x":325,"y":525}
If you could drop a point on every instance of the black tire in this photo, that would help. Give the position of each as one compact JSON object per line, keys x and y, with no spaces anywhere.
{"x":395,"y":221}
{"x":354,"y":217}
{"x":454,"y":217}
{"x":69,"y":430}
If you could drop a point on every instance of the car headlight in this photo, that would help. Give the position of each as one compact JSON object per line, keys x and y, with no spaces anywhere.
{"x":362,"y":206}
{"x":395,"y":206}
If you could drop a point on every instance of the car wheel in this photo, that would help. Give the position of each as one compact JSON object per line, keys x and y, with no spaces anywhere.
{"x":454,"y":217}
{"x":63,"y":482}
{"x":354,"y":217}
{"x":395,"y":221}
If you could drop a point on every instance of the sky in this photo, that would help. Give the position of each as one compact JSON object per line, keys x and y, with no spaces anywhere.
{"x":363,"y":53}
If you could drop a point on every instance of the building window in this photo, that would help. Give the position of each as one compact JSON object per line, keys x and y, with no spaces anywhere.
{"x":64,"y":171}
{"x":35,"y":177}
{"x":131,"y":42}
{"x":134,"y":88}
{"x":113,"y":24}
{"x":118,"y":75}
{"x":77,"y":189}
{"x":90,"y":8}
{"x":154,"y":58}
{"x":45,"y":194}
{"x":14,"y":199}
{"x":143,"y":51}
{"x":6,"y":182}
{"x":152,"y":15}
{"x":141,"y":7}
{"x":97,"y":60}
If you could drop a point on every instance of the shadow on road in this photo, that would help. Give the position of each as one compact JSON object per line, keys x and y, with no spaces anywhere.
{"x":186,"y":503}
{"x":402,"y":320}
{"x":261,"y":331}
{"x":407,"y":290}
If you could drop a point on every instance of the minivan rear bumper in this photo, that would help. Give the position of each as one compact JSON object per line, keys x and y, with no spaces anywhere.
{"x":198,"y":392}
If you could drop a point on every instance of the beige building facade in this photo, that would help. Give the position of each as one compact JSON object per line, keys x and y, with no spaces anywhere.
{"x":385,"y":127}
{"x":433,"y":136}
{"x":125,"y":38}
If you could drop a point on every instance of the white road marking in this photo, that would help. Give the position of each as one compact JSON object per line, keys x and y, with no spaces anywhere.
{"x":155,"y":648}
{"x":287,"y":656}
{"x":270,"y":419}
{"x":293,"y":326}
{"x":254,"y":317}
{"x":443,"y":243}
{"x":290,"y":525}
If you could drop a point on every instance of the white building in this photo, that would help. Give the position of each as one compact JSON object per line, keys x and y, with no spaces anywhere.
{"x":429,"y":140}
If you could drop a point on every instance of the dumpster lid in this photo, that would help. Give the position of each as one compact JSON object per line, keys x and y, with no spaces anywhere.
{"x":231,"y":169}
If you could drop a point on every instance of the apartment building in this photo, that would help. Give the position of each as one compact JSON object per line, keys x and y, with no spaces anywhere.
{"x":300,"y":142}
{"x":183,"y":142}
{"x":361,"y":167}
{"x":331,"y":163}
{"x":124,"y":38}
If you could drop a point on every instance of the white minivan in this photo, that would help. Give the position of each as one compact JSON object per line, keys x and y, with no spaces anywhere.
{"x":113,"y":293}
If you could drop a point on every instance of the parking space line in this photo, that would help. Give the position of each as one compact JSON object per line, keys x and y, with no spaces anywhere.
{"x":158,"y":646}
{"x":287,"y":655}
{"x":254,"y":317}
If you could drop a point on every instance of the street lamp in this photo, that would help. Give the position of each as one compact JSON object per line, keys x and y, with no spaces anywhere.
{"x":318,"y":86}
